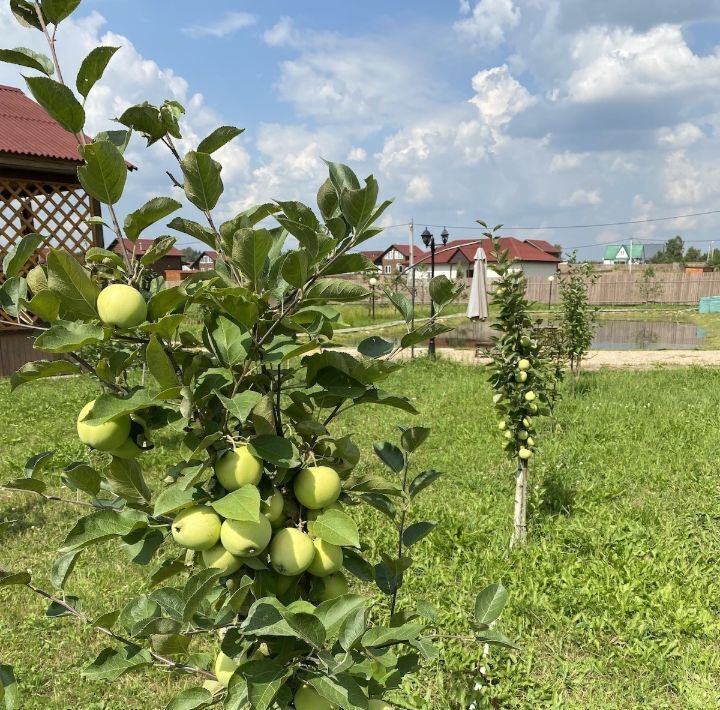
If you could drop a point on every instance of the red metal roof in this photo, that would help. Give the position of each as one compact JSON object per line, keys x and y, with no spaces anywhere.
{"x":27,"y":129}
{"x":142,"y":246}
{"x":545,"y":246}
{"x":519,"y":250}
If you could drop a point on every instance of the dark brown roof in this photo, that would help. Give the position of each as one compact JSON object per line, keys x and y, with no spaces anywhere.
{"x":519,"y":250}
{"x":27,"y":129}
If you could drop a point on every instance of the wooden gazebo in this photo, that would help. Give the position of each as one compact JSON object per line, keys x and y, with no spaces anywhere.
{"x":39,"y":192}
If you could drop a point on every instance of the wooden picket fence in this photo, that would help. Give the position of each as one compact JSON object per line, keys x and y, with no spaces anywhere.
{"x":621,"y":288}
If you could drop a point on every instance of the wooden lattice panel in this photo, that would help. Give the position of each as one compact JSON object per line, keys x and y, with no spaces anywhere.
{"x":58,"y":210}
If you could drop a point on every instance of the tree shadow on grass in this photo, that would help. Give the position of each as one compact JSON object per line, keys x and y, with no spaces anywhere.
{"x":553,"y":497}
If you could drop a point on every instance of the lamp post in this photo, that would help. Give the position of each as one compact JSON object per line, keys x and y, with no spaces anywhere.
{"x":429,"y":241}
{"x":551,"y":280}
{"x":373,"y":283}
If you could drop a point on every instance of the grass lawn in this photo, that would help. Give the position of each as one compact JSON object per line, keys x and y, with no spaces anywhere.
{"x":614,"y":601}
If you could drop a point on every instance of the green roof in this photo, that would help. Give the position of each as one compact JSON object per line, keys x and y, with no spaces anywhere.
{"x":615,"y":252}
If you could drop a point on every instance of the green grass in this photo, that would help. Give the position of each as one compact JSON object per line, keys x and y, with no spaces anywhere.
{"x":614,"y":601}
{"x":357,"y":316}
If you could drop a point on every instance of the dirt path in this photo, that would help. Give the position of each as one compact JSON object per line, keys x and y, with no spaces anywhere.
{"x":614,"y":359}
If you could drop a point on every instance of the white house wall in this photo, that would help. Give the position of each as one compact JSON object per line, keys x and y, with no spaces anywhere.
{"x":538,"y":268}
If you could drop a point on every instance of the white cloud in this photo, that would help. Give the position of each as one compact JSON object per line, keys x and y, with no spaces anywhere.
{"x":498,"y":95}
{"x":357,"y":154}
{"x":567,"y":161}
{"x":584,"y":197}
{"x":623,"y":63}
{"x":489,"y":21}
{"x":680,"y":136}
{"x":230,"y":23}
{"x":419,"y":189}
{"x":283,"y":34}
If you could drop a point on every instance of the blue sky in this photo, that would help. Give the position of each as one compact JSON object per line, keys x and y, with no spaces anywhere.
{"x":526,"y":112}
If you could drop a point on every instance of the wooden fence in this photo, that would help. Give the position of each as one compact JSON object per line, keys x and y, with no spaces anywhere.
{"x":625,"y":289}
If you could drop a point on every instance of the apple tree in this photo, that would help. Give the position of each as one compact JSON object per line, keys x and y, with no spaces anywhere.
{"x":518,"y":374}
{"x":250,"y":540}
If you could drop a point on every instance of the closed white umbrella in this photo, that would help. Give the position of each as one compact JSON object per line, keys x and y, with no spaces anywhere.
{"x":478,"y":303}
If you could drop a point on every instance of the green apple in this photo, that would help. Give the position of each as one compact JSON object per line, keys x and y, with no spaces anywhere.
{"x":328,"y":558}
{"x":237,"y":468}
{"x":524,"y":453}
{"x":283,"y":583}
{"x":527,"y":422}
{"x":219,"y":558}
{"x":376,"y":704}
{"x":502,"y":425}
{"x":334,"y":585}
{"x":524,"y":364}
{"x":530,"y":441}
{"x":500,"y":291}
{"x":508,"y":435}
{"x":104,"y":437}
{"x":127,"y":450}
{"x":530,"y":396}
{"x":213,"y":686}
{"x":317,"y":487}
{"x":522,"y":435}
{"x":121,"y":305}
{"x":224,"y":668}
{"x":197,"y":528}
{"x":273,"y":509}
{"x":525,"y":341}
{"x":533,"y":407}
{"x":313,"y":514}
{"x":307,"y":698}
{"x":245,"y":538}
{"x":521,"y":376}
{"x":497,"y":398}
{"x":291,"y":552}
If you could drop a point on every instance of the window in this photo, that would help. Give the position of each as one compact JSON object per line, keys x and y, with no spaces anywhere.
{"x":387,"y":269}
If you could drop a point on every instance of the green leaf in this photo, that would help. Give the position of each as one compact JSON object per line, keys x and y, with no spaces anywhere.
{"x":119,"y":139}
{"x":13,"y":293}
{"x":19,"y":254}
{"x":379,"y":636}
{"x":8,"y":579}
{"x":230,"y":341}
{"x":165,"y":301}
{"x":335,"y":527}
{"x":422,"y":481}
{"x":264,"y":680}
{"x":126,"y":480}
{"x":443,"y":291}
{"x":81,"y":476}
{"x":95,"y":254}
{"x":295,"y":268}
{"x":358,"y":205}
{"x":424,"y":332}
{"x":24,"y":57}
{"x":335,"y":290}
{"x":152,"y":211}
{"x":26,"y":484}
{"x":104,"y":173}
{"x":190,"y":699}
{"x":353,"y":627}
{"x":24,"y":11}
{"x":342,"y":177}
{"x":300,"y":221}
{"x":57,"y":10}
{"x":327,"y":200}
{"x":92,"y":68}
{"x":165,"y":327}
{"x":349,"y":264}
{"x":334,"y":612}
{"x":108,"y":406}
{"x":401,"y":303}
{"x":58,"y":101}
{"x":390,"y":455}
{"x":176,"y":497}
{"x":187,"y":226}
{"x":375,"y":346}
{"x":275,"y":450}
{"x":389,"y":573}
{"x":62,"y":568}
{"x":73,"y":285}
{"x":218,"y":138}
{"x":69,"y":336}
{"x":250,"y":250}
{"x":111,"y":663}
{"x":38,"y":463}
{"x":45,"y":305}
{"x":9,"y":692}
{"x":242,"y":504}
{"x":414,"y":437}
{"x":416,"y":532}
{"x":342,"y":691}
{"x":145,"y":119}
{"x":241,"y":405}
{"x":490,"y":603}
{"x":203,"y":185}
{"x":495,"y":638}
{"x":160,"y":365}
{"x":160,"y":247}
{"x":196,"y":590}
{"x":102,"y":525}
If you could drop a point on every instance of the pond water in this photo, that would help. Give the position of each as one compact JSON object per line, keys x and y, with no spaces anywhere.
{"x":610,"y":335}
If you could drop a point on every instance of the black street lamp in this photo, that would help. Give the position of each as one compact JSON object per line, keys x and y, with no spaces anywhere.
{"x":429,"y":241}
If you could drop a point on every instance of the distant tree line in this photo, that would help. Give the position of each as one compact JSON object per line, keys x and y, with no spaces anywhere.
{"x":675,"y":252}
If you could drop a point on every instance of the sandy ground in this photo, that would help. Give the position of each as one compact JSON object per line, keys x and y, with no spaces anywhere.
{"x":614,"y":359}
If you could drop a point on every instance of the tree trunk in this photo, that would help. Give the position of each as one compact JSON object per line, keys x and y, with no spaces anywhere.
{"x":519,"y":535}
